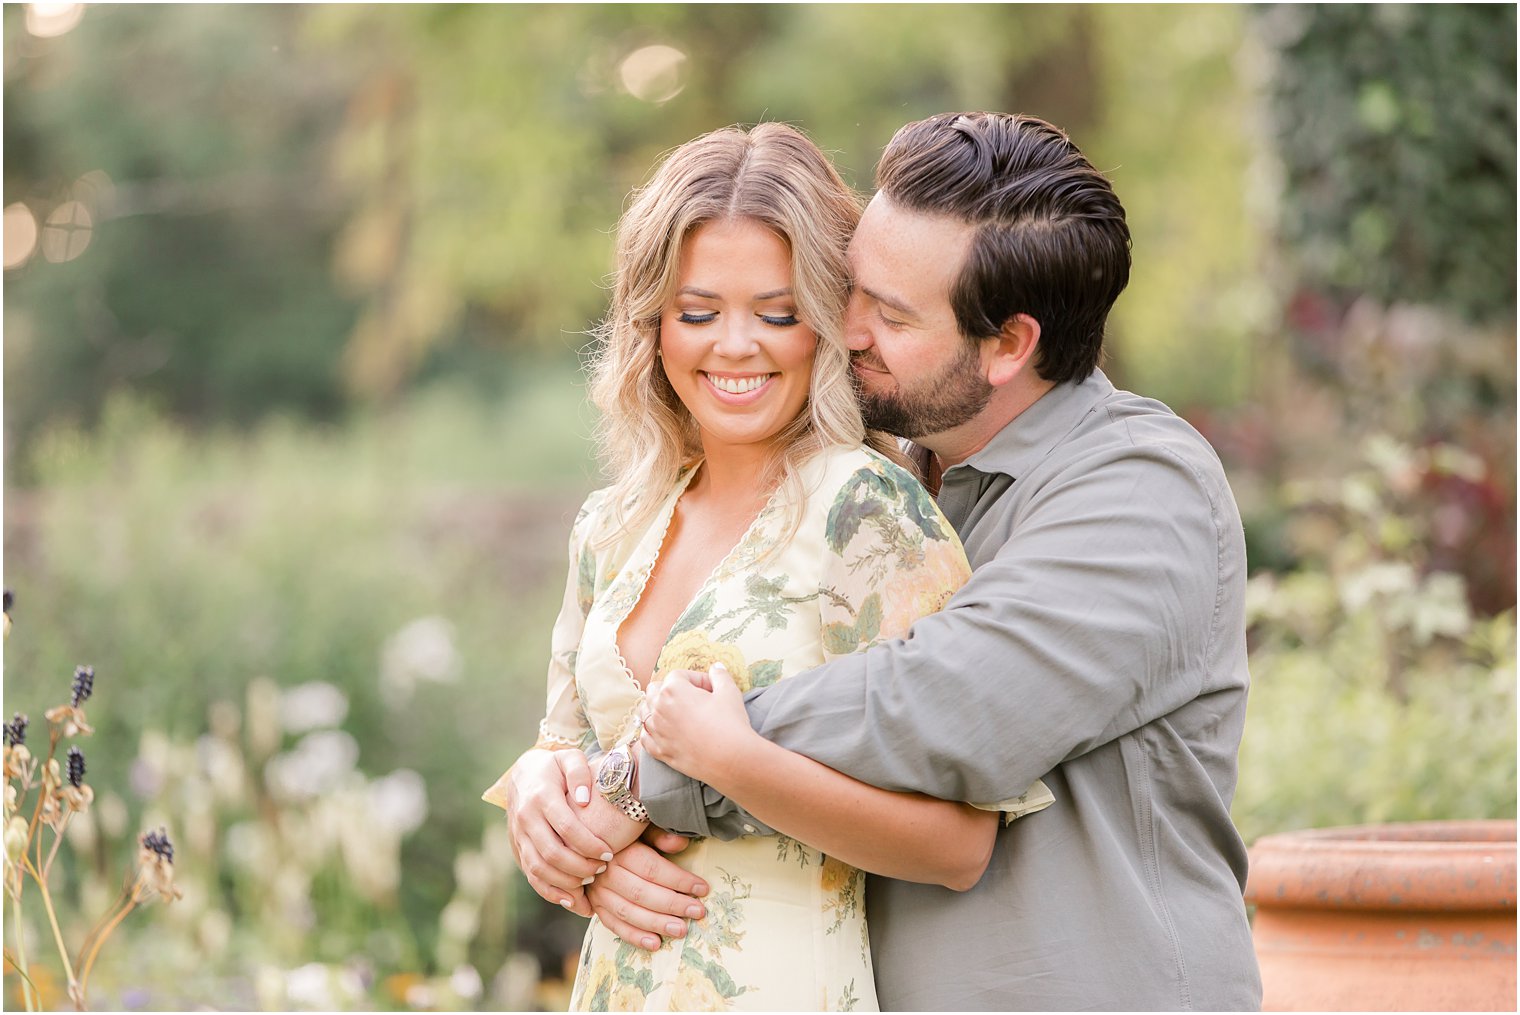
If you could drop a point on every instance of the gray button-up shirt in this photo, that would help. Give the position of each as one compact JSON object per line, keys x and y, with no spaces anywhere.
{"x":1099,"y":645}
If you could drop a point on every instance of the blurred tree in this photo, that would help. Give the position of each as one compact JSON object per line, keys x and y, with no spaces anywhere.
{"x":182,"y":151}
{"x":1178,"y":137}
{"x":1396,"y":129}
{"x":435,"y":184}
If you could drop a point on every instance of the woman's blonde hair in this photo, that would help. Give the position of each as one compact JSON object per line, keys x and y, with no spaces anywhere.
{"x":775,"y":175}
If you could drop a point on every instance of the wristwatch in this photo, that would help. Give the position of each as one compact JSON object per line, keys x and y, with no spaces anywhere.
{"x":615,"y":781}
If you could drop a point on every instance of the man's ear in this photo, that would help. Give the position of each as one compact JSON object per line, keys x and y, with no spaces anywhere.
{"x":1011,"y":351}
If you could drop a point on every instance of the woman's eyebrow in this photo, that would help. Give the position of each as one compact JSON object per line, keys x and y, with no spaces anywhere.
{"x":691,"y":290}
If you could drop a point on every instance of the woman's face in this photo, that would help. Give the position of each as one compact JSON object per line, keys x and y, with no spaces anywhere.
{"x":732,"y":345}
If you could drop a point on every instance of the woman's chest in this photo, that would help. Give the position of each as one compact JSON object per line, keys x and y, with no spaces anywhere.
{"x":761,"y":619}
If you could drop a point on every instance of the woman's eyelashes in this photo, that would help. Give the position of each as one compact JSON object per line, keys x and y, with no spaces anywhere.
{"x":786,"y":320}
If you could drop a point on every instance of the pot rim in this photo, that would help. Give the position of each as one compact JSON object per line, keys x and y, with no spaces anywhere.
{"x":1423,"y":865}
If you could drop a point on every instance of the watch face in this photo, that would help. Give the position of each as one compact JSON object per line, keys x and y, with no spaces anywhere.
{"x":615,"y":771}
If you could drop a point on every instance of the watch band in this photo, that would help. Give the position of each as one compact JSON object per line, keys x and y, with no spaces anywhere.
{"x":625,"y":802}
{"x":615,"y":782}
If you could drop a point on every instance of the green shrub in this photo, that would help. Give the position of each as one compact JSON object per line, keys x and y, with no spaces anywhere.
{"x":1376,"y":694}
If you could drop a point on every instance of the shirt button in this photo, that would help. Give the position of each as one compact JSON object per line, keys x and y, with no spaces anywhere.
{"x":750,"y":829}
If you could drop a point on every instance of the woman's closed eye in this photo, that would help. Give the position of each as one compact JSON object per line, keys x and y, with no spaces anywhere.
{"x":786,"y":320}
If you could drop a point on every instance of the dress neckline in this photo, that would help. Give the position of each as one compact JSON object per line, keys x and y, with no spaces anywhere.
{"x":647,"y":569}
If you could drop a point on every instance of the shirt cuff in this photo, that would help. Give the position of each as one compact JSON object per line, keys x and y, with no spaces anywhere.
{"x":1035,"y":798}
{"x":674,"y":801}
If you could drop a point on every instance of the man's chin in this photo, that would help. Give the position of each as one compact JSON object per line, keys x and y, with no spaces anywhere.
{"x":887,"y":415}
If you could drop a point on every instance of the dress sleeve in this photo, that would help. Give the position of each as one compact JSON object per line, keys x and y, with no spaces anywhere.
{"x":564,"y":724}
{"x":893,"y":559}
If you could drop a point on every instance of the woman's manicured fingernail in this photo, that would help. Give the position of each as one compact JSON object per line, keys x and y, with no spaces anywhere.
{"x":606,"y":858}
{"x":675,"y":929}
{"x":602,"y":869}
{"x":652,"y":943}
{"x":567,"y":903}
{"x":695,"y":912}
{"x":582,"y":795}
{"x":587,"y":881}
{"x":699,"y":889}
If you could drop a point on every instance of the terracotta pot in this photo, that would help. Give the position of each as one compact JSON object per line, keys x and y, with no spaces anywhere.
{"x":1399,"y":917}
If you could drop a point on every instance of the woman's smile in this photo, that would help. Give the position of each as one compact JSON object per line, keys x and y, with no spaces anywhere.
{"x":739,"y":389}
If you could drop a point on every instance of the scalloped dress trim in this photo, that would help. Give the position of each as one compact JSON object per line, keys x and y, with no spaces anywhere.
{"x":719,"y":571}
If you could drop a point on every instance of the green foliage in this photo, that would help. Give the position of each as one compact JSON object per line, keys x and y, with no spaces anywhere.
{"x":1376,"y":694}
{"x":1396,"y":129}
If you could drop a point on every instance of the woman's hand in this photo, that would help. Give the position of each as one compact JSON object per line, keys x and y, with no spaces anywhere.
{"x":698,"y":726}
{"x":547,"y":796}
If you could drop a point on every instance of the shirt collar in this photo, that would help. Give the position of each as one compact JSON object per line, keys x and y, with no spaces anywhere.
{"x":1016,"y":448}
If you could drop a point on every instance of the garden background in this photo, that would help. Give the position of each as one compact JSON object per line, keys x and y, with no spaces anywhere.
{"x":294,"y":300}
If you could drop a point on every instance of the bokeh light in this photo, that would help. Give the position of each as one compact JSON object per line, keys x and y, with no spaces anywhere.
{"x":20,"y":235}
{"x":97,"y":191}
{"x":654,"y":73}
{"x":67,"y":232}
{"x":47,"y":20}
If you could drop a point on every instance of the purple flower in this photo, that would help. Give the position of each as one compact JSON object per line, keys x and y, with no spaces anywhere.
{"x":76,"y":767}
{"x":15,"y":731}
{"x":84,"y":684}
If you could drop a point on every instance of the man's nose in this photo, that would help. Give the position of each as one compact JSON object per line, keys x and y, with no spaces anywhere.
{"x":857,"y":335}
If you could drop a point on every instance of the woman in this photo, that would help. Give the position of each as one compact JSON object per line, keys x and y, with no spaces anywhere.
{"x":752,"y":522}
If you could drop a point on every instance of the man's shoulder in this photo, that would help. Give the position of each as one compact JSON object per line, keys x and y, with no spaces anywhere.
{"x":1126,"y":427}
{"x":1127,"y":455}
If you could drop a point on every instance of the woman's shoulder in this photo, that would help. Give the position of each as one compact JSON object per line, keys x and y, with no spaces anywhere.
{"x":835,"y":467}
{"x":857,"y":480}
{"x":591,"y":515}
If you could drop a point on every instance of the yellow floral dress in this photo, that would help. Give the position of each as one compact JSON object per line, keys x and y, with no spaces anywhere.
{"x":785,"y":927}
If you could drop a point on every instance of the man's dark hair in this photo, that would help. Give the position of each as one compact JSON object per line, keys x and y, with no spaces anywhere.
{"x":1051,"y":240}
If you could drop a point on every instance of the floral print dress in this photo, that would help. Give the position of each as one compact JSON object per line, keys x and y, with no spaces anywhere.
{"x":785,"y":927}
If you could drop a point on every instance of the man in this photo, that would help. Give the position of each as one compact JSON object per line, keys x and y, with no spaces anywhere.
{"x":1099,"y":645}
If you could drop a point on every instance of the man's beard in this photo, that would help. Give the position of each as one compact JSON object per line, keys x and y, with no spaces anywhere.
{"x":932,"y":405}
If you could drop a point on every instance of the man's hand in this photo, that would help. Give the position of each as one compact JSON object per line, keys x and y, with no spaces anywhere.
{"x":643,"y":897}
{"x":556,"y":850}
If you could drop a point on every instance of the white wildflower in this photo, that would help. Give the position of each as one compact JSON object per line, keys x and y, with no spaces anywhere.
{"x":316,"y":766}
{"x":422,"y":651}
{"x":399,"y":801}
{"x":311,"y":706}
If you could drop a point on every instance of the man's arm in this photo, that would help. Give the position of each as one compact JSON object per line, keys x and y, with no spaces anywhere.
{"x":1094,"y":618}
